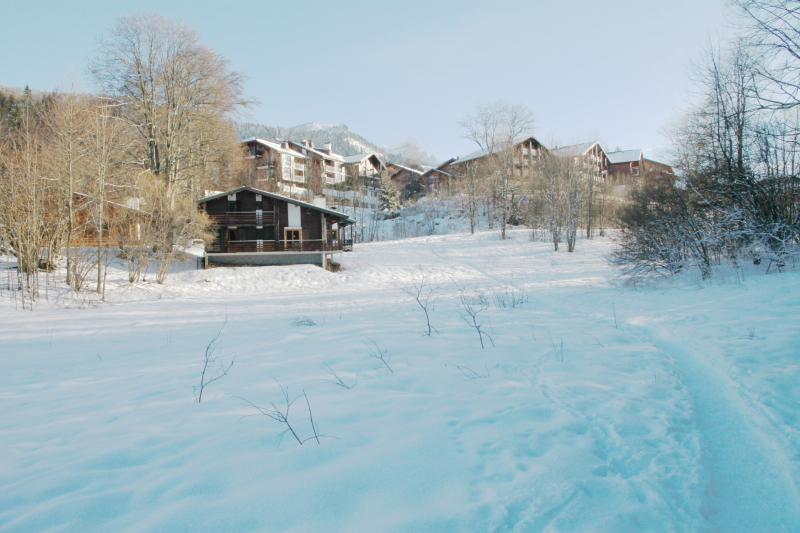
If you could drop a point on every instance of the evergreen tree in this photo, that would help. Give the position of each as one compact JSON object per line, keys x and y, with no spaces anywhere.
{"x":389,"y":199}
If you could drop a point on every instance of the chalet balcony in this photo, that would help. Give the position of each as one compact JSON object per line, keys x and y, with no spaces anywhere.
{"x":251,"y":246}
{"x":243,"y":218}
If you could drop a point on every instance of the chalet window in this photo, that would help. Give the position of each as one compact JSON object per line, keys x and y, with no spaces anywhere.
{"x":292,"y":234}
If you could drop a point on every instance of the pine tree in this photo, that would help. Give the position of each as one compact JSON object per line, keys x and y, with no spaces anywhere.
{"x":390,"y":199}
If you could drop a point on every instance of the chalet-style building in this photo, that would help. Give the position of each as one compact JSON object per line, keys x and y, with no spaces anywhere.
{"x":407,"y":180}
{"x":437,"y":179}
{"x":364,"y":170}
{"x":121,"y":224}
{"x":276,"y":166}
{"x":323,"y":167}
{"x":257,"y":227}
{"x":631,"y":167}
{"x":526,"y":152}
{"x":594,"y":158}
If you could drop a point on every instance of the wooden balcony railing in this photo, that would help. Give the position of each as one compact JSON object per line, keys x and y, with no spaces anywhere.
{"x":243,"y":218}
{"x":251,"y":246}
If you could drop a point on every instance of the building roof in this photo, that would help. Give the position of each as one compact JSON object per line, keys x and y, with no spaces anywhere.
{"x":274,"y":145}
{"x":482,"y":153}
{"x":344,"y":219}
{"x":358,"y":158}
{"x":440,"y":168}
{"x":573,"y":149}
{"x":624,"y":156}
{"x":307,"y":149}
{"x":403,"y":167}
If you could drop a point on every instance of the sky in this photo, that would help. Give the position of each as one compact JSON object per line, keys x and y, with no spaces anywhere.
{"x":615,"y":71}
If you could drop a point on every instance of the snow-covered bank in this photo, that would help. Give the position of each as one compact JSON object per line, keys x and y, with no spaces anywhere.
{"x":599,"y":408}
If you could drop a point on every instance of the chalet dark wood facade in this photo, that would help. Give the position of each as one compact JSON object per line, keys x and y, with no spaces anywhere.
{"x":631,"y":167}
{"x":436,"y":180}
{"x":406,"y":180}
{"x":256,"y":227}
{"x":526,"y":152}
{"x":121,"y":225}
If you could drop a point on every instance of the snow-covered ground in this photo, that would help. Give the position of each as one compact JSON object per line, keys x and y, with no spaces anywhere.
{"x":600,"y":407}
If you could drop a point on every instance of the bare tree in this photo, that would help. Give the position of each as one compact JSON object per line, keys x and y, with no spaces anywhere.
{"x":775,"y":37}
{"x":338,"y":380}
{"x":562,"y":181}
{"x":69,"y":122}
{"x":378,"y":352}
{"x":210,"y":359}
{"x":175,"y":92}
{"x":472,"y":310}
{"x":496,"y":130}
{"x":281,"y":413}
{"x":422,"y":296}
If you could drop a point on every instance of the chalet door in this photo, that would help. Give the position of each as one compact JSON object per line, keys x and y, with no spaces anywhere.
{"x":231,"y":238}
{"x":293,"y":238}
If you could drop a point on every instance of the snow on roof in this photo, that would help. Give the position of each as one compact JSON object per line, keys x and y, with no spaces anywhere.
{"x":403,"y":167}
{"x":358,"y":158}
{"x":346,"y":220}
{"x":624,"y":156}
{"x":477,"y":154}
{"x":275,"y":145}
{"x":319,"y":153}
{"x":440,"y":167}
{"x":572,"y":149}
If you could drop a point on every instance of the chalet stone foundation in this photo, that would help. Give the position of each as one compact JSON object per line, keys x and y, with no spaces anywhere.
{"x":267,"y":259}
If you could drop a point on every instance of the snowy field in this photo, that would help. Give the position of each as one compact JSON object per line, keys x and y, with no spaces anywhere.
{"x":600,"y":407}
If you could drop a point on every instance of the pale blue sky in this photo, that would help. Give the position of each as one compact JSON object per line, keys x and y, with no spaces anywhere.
{"x":616,"y":71}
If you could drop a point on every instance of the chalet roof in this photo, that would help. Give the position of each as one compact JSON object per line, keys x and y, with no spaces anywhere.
{"x":483,"y":153}
{"x":108,"y":202}
{"x":274,"y":145}
{"x":440,"y":168}
{"x":573,"y":149}
{"x":358,"y":158}
{"x":343,"y":218}
{"x":403,"y":167}
{"x":624,"y":156}
{"x":319,"y":153}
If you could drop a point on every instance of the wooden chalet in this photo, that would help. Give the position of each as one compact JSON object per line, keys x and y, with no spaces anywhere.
{"x":526,"y":152}
{"x":631,"y":167}
{"x":407,"y":180}
{"x":257,"y":227}
{"x":365,"y":170}
{"x":437,"y":179}
{"x":122,"y":225}
{"x":276,"y":166}
{"x":591,"y":154}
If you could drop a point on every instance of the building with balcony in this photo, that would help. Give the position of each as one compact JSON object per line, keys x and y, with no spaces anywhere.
{"x":275,"y":166}
{"x":256,"y":227}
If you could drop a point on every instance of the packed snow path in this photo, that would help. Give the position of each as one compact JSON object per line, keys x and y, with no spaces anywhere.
{"x":599,"y":407}
{"x":750,"y":483}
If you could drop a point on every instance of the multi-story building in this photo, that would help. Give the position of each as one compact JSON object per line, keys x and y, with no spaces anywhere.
{"x":323,"y":167}
{"x":631,"y":167}
{"x":365,"y":170}
{"x":591,"y":154}
{"x":525,"y":153}
{"x":276,"y":166}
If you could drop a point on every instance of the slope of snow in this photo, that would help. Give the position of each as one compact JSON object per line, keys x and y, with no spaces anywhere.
{"x":598,"y":408}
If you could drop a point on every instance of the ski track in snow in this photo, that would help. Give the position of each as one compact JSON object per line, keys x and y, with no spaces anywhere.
{"x":750,"y":474}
